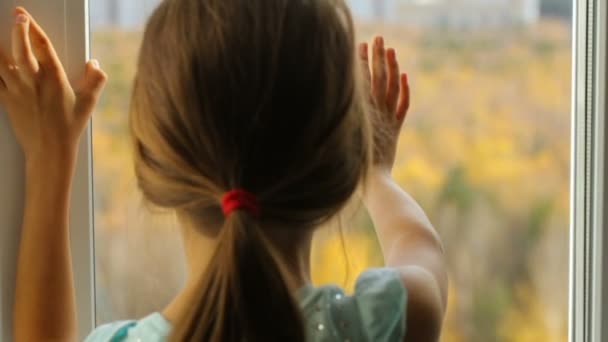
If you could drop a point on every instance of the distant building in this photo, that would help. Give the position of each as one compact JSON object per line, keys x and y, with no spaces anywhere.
{"x":557,"y":8}
{"x":450,"y":14}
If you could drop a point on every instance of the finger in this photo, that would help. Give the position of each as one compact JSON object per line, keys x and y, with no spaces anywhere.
{"x":5,"y":74}
{"x":89,"y":89}
{"x":364,"y":56}
{"x":41,"y":45}
{"x":8,"y":71}
{"x":21,"y":47}
{"x":392,"y":94}
{"x":3,"y":91}
{"x":404,"y":99}
{"x":379,"y":72}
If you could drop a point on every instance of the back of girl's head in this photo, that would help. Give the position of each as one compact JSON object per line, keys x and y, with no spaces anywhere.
{"x":259,"y":95}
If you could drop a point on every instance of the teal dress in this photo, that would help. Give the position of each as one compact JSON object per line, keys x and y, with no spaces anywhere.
{"x":374,"y":312}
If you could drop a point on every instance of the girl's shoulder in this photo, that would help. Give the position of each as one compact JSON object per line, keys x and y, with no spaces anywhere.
{"x":375,"y":311}
{"x":153,"y":328}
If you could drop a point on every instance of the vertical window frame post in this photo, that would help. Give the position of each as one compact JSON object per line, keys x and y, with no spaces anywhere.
{"x":589,"y":239}
{"x":81,"y":210}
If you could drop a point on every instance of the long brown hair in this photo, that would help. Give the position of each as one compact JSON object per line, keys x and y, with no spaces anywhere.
{"x":261,"y":95}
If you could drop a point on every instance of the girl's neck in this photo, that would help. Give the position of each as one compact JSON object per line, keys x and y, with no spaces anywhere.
{"x":199,"y":250}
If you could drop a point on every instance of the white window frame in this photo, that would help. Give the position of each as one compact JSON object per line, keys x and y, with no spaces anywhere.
{"x":589,"y":239}
{"x":82,"y":212}
{"x":67,"y":22}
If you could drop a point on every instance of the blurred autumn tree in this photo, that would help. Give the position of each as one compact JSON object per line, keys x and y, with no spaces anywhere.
{"x":485,"y":151}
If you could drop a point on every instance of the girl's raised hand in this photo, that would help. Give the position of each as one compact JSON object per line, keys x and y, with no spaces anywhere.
{"x":390,"y":98}
{"x":48,"y":116}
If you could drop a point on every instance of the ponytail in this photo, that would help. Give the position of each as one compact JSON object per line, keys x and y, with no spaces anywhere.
{"x":263,"y":95}
{"x":242,"y":295}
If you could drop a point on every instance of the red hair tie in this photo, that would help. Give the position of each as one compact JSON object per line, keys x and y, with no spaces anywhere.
{"x":238,"y":199}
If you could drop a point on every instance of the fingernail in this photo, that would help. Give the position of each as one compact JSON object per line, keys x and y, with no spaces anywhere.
{"x":405,"y":78}
{"x":380,"y":41}
{"x":21,"y":19}
{"x":95,"y":63}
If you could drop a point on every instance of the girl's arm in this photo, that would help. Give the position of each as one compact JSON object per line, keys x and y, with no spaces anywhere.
{"x":409,"y":242}
{"x":44,"y":298}
{"x":411,"y":245}
{"x":48,"y":117}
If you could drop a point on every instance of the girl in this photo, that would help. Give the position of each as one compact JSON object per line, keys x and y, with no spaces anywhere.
{"x":251,"y":122}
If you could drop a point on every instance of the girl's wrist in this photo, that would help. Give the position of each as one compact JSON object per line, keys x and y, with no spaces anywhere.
{"x":52,"y":164}
{"x":56,"y":154}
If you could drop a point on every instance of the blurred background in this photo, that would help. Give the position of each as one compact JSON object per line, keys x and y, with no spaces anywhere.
{"x":485,"y":150}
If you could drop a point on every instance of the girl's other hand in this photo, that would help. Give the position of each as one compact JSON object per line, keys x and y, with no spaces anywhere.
{"x":48,"y":116}
{"x":390,"y":99}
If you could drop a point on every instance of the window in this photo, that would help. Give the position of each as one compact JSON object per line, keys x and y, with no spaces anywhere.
{"x":486,"y":151}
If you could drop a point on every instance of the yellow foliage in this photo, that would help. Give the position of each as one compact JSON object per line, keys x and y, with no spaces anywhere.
{"x":338,"y":261}
{"x":529,"y":323}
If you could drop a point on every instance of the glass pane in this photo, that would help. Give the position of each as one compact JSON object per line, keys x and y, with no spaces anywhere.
{"x":129,"y":238}
{"x":485,"y":151}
